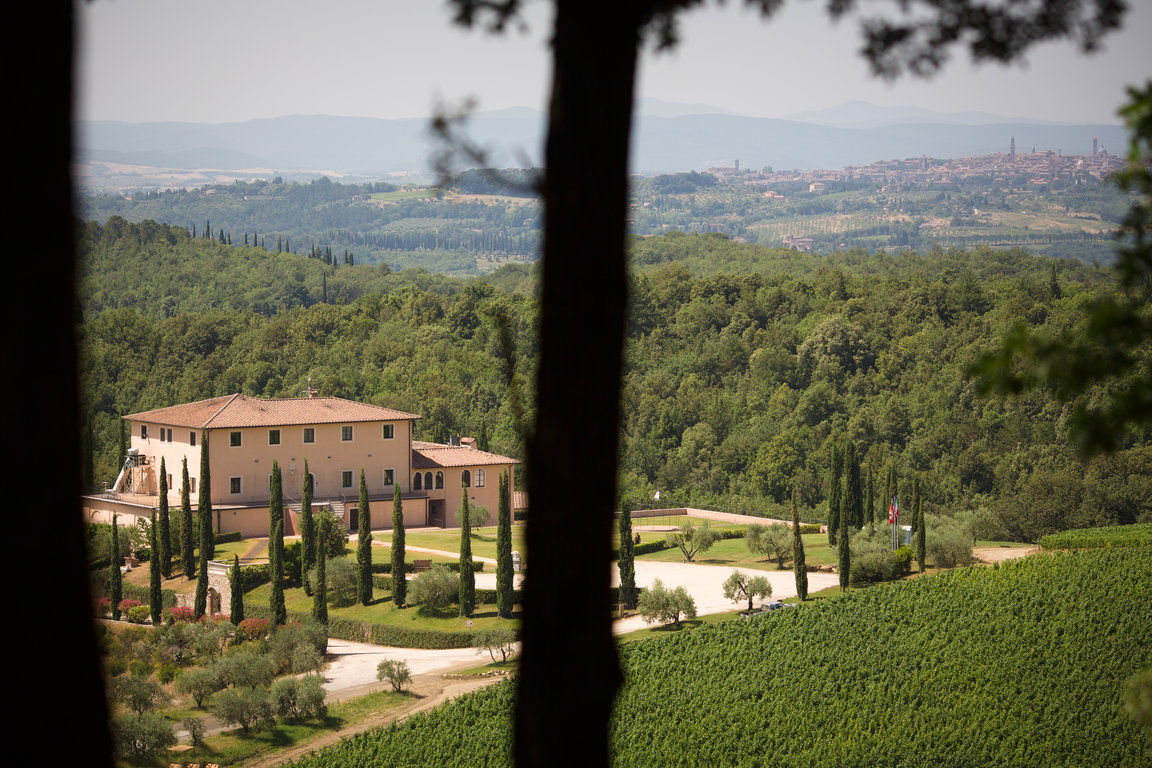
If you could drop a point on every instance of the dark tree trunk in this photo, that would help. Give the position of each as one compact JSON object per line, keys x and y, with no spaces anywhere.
{"x":569,"y":671}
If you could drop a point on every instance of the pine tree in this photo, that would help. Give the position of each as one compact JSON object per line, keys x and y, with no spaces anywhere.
{"x":115,"y":579}
{"x":399,"y":582}
{"x":627,"y":562}
{"x":799,"y":569}
{"x":165,"y":532}
{"x":921,"y":534}
{"x":204,"y":501}
{"x":307,"y":532}
{"x":154,"y":571}
{"x":236,"y":581}
{"x":844,"y":555}
{"x":276,"y":546}
{"x":834,"y":495}
{"x":320,"y":592}
{"x":853,"y":498}
{"x":187,"y":540}
{"x":467,"y":578}
{"x":364,"y":546}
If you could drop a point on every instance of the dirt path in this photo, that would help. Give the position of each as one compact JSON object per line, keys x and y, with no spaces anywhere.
{"x":1000,"y":554}
{"x":428,"y":690}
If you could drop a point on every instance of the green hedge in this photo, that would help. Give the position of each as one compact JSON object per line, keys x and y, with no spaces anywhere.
{"x":228,"y":537}
{"x":410,"y":566}
{"x":144,"y":595}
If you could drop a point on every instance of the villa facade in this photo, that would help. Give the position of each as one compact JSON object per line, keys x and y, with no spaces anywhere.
{"x":338,"y":439}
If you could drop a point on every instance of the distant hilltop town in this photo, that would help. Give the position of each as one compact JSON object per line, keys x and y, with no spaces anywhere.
{"x":1011,"y":168}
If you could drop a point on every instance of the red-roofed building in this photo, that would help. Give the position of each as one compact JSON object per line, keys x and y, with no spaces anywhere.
{"x":338,"y":438}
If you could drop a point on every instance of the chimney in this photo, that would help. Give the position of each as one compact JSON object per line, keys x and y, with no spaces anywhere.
{"x":468,"y":442}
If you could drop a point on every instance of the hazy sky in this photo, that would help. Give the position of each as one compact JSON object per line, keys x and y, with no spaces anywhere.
{"x":232,"y":60}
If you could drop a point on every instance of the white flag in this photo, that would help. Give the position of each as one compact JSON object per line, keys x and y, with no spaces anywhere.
{"x":657,"y":496}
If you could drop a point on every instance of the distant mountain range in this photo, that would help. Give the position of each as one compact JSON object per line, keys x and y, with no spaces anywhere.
{"x":668,"y":137}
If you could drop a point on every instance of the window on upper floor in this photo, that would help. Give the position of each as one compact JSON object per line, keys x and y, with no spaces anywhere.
{"x":466,"y":479}
{"x":144,"y":431}
{"x":234,"y":439}
{"x":418,"y":482}
{"x":439,"y":480}
{"x":273,"y":437}
{"x":309,"y":434}
{"x":192,"y":438}
{"x":191,"y":485}
{"x":479,"y":478}
{"x":346,"y":434}
{"x":389,"y":431}
{"x":346,"y":478}
{"x":233,"y":485}
{"x":389,"y":476}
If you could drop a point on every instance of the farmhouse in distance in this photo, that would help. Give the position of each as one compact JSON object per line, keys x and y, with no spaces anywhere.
{"x":337,"y":437}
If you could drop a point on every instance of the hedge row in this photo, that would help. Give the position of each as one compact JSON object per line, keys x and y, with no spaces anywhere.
{"x":410,"y":566}
{"x":144,"y":595}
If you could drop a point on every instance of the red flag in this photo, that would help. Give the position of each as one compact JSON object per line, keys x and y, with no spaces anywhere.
{"x":893,"y":511}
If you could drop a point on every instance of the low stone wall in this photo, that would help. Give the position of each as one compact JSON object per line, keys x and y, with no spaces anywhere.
{"x":707,"y":514}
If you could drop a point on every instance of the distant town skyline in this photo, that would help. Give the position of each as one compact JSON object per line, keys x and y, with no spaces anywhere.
{"x":216,"y":61}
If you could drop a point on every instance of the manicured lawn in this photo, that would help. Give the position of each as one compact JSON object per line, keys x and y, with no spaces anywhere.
{"x":382,"y":611}
{"x":483,"y":541}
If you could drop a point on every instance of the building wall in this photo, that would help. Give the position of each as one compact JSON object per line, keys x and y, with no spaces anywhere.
{"x":172,"y":452}
{"x":329,"y":457}
{"x":453,"y":492}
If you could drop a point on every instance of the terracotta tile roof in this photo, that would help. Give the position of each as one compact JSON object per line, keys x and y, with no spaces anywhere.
{"x":235,"y":411}
{"x":433,"y":455}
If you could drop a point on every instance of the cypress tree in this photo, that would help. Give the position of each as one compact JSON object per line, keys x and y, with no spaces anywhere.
{"x":364,"y":546}
{"x":918,"y":516}
{"x":200,"y":605}
{"x":276,"y":546}
{"x":307,"y":532}
{"x":320,"y":593}
{"x":399,"y":582}
{"x":844,"y":555}
{"x":154,"y":572}
{"x":467,"y":578}
{"x":505,"y":599}
{"x":165,"y":532}
{"x":834,"y":495}
{"x":236,"y":581}
{"x":115,"y":584}
{"x":870,"y":510}
{"x":853,"y":498}
{"x":204,"y":501}
{"x":799,"y":569}
{"x":187,"y":543}
{"x":627,"y":562}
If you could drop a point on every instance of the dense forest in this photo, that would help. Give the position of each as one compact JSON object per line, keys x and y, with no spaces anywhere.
{"x":745,"y":364}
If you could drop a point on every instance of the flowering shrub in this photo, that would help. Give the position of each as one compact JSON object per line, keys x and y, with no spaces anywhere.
{"x":104,"y":606}
{"x":253,"y":629}
{"x":128,"y":604}
{"x":181,"y":613}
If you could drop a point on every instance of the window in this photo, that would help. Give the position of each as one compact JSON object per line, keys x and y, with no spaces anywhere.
{"x":418,"y":482}
{"x":309,"y":434}
{"x":273,"y":437}
{"x":466,"y":479}
{"x":439,"y":480}
{"x":479,"y":478}
{"x":234,"y":485}
{"x":346,"y":434}
{"x":191,"y":438}
{"x":144,"y":431}
{"x":169,"y":479}
{"x":389,"y":476}
{"x":428,"y":481}
{"x":169,"y":438}
{"x":234,"y":439}
{"x":191,"y":485}
{"x":389,"y":432}
{"x":346,"y":478}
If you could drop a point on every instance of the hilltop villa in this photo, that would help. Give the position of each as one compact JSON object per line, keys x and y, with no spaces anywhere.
{"x":336,"y":437}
